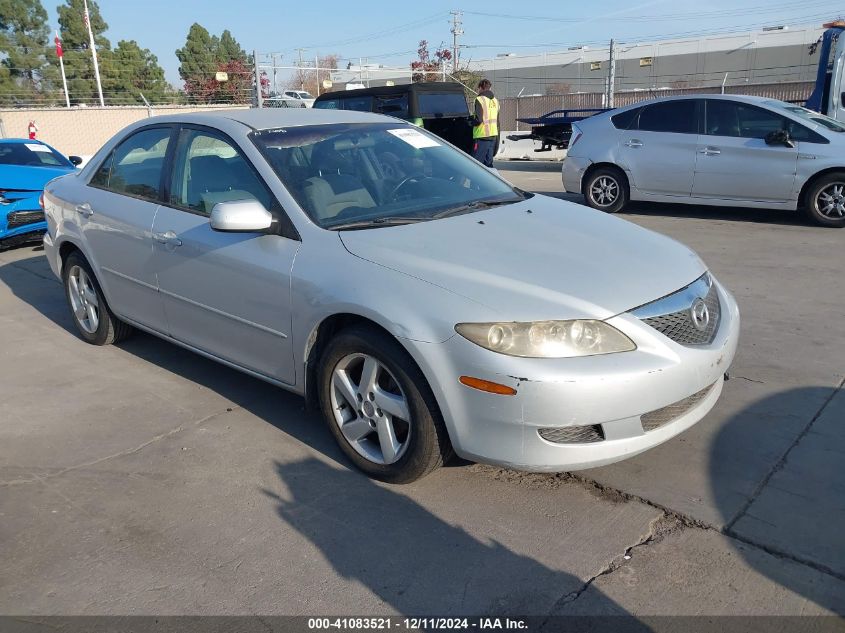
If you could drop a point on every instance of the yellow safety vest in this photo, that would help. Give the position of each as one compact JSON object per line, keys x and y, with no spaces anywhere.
{"x":489,"y":120}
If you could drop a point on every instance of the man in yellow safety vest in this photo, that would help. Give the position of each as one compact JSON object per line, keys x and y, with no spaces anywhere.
{"x":485,"y":133}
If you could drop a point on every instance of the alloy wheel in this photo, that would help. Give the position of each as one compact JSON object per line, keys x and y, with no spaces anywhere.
{"x":83,"y":300}
{"x":370,"y":409}
{"x":831,"y":201}
{"x":604,"y":191}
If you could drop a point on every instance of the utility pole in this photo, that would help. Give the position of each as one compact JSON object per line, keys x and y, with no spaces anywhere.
{"x":457,"y":31}
{"x":611,"y":75}
{"x":301,"y":77}
{"x":259,"y":102}
{"x":275,"y":84}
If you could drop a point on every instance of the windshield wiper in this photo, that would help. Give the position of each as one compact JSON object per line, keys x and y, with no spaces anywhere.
{"x":473,"y":206}
{"x":375,"y":222}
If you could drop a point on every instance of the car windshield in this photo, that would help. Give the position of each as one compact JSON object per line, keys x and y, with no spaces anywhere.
{"x":808,"y":115}
{"x":353,"y":175}
{"x":31,"y":155}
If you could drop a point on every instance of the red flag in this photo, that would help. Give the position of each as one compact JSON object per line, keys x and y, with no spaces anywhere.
{"x":59,"y":51}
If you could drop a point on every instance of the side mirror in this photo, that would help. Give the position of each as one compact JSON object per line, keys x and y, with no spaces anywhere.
{"x":240,"y":216}
{"x":76,"y":161}
{"x":779,"y":137}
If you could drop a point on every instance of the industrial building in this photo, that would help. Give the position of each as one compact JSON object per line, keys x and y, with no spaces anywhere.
{"x":765,"y":56}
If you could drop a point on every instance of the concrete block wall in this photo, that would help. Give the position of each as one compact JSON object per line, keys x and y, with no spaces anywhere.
{"x":82,"y":131}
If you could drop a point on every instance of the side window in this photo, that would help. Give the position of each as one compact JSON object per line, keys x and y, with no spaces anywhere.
{"x":757,"y":122}
{"x":393,"y":105}
{"x":101,"y":176}
{"x":208,"y":170}
{"x":134,"y":167}
{"x":625,"y":120}
{"x":359,"y":104}
{"x":328,"y":104}
{"x":721,"y":118}
{"x":670,"y":116}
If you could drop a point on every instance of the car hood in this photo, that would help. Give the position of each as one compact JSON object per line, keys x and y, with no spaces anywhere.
{"x":26,"y":178}
{"x":535,"y":260}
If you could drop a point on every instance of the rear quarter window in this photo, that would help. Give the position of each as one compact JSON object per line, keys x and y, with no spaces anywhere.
{"x":624,"y":120}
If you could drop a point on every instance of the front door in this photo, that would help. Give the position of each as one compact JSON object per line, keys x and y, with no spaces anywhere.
{"x":227,"y":294}
{"x":733,"y":161}
{"x":658,"y":151}
{"x":116,"y":215}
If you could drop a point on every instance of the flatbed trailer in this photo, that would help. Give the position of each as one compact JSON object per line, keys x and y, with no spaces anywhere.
{"x":554,"y":128}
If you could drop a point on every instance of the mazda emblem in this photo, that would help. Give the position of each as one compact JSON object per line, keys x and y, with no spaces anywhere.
{"x":699,"y":314}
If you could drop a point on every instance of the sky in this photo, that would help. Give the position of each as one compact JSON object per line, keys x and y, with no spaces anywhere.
{"x":380,"y":32}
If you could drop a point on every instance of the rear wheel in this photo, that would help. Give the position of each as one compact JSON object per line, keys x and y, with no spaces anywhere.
{"x":825,"y":200}
{"x":606,"y":189}
{"x":91,"y":314}
{"x":379,"y":407}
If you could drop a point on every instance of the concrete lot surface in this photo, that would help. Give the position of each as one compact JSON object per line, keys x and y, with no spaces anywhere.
{"x":143,"y":479}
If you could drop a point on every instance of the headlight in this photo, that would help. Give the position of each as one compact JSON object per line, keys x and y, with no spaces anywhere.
{"x":548,"y":339}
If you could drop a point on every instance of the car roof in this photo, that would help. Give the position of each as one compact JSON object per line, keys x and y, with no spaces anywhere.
{"x":727,"y":97}
{"x":270,"y":118}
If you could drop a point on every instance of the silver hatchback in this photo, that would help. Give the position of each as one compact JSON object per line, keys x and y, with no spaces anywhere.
{"x":425,"y":305}
{"x":721,"y":150}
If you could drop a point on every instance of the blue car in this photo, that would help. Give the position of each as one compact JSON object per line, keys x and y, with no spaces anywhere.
{"x":25,"y":167}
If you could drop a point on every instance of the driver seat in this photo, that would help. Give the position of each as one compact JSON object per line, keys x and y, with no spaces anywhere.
{"x":331,"y":191}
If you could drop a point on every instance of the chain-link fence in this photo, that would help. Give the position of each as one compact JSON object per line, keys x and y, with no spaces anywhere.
{"x":514,"y":108}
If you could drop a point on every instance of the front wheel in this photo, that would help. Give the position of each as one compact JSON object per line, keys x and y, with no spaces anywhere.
{"x":379,"y":407}
{"x":606,"y":189}
{"x":825,"y":201}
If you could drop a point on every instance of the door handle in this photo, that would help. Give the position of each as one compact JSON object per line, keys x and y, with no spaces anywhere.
{"x":710,"y":151}
{"x":167,"y":238}
{"x":84,"y":210}
{"x":634,"y":143}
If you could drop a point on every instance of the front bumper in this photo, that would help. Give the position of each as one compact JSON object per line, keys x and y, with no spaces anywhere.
{"x":21,"y":220}
{"x":572,"y":173}
{"x":611,"y":392}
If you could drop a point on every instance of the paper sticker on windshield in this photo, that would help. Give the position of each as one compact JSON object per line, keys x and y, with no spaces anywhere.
{"x":35,"y":147}
{"x":414,"y":138}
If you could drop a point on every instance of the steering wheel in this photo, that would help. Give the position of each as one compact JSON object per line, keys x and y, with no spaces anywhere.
{"x":406,"y":181}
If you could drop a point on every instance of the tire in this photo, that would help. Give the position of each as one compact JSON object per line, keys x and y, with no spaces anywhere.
{"x":416,"y":446}
{"x":604,"y":182}
{"x":91,"y":315}
{"x":825,"y":200}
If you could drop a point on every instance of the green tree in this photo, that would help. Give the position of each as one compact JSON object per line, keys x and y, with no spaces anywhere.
{"x":230,"y":50}
{"x":79,"y":66}
{"x":203,"y":56}
{"x":129,"y":71}
{"x":26,"y":73}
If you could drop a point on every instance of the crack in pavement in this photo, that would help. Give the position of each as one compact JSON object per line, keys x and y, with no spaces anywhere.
{"x":659,"y":528}
{"x":129,"y":451}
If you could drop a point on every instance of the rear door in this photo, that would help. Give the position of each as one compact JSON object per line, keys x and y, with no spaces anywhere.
{"x":658,"y":151}
{"x":733,"y":161}
{"x":116,"y":213}
{"x":227,"y":294}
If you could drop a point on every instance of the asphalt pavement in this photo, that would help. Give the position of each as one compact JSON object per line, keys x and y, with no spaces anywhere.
{"x":143,"y":479}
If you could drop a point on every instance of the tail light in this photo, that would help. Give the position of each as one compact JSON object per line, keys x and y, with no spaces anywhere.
{"x":576,"y":136}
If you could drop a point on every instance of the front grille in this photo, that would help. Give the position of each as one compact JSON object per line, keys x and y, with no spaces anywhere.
{"x":573,"y":434}
{"x":677,"y":321}
{"x":22,"y":218}
{"x":659,"y":417}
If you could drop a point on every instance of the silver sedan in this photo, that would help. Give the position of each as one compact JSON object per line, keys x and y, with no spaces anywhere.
{"x":719,"y":150}
{"x":425,"y":305}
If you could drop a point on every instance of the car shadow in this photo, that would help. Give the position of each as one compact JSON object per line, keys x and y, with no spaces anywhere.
{"x":791,"y":509}
{"x":415,"y":562}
